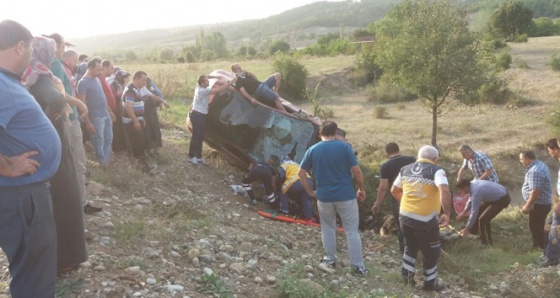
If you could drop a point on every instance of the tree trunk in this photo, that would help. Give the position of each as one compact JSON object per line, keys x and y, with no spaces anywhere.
{"x":434,"y":125}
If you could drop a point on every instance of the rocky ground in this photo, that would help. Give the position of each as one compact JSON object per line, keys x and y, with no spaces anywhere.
{"x":183,"y":233}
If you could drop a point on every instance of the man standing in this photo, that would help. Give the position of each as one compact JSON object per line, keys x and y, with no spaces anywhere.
{"x":422,"y":189}
{"x":99,"y":123}
{"x":389,"y":172}
{"x":487,"y":199}
{"x":29,"y":155}
{"x":133,"y":119}
{"x":333,"y":164}
{"x":537,"y":194}
{"x":479,"y":163}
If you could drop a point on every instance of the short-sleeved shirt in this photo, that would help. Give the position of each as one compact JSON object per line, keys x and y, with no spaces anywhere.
{"x":24,"y":127}
{"x":482,"y":191}
{"x":95,"y":98}
{"x":249,"y":83}
{"x":201,"y":98}
{"x":331,"y":162}
{"x":480,"y":164}
{"x":391,"y":168}
{"x":537,"y":176}
{"x":133,"y":95}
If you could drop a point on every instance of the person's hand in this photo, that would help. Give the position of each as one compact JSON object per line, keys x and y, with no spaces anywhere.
{"x":254,"y":101}
{"x":464,"y":232}
{"x":113,"y":117}
{"x":165,"y":104}
{"x":82,"y":108}
{"x":232,"y":81}
{"x":137,"y":125}
{"x":527,"y":209}
{"x":312,"y":194}
{"x":375,"y":208}
{"x":460,"y":215}
{"x":361,"y":195}
{"x":23,"y":164}
{"x":443,"y":220}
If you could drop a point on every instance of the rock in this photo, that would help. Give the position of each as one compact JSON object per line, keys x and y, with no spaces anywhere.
{"x":504,"y":287}
{"x":137,"y":294}
{"x":270,"y":279}
{"x":94,"y":188}
{"x":237,"y":267}
{"x":246,"y":246}
{"x":207,"y":258}
{"x":133,"y":269}
{"x":99,"y":268}
{"x":208,"y":271}
{"x":193,"y":253}
{"x":196,"y":262}
{"x":175,"y":288}
{"x":151,"y":281}
{"x":258,"y":280}
{"x":175,"y":254}
{"x":86,"y":264}
{"x":308,"y":268}
{"x":316,"y":288}
{"x":253,"y":263}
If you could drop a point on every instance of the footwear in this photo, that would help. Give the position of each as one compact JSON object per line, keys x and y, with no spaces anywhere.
{"x":193,"y":160}
{"x":360,"y":271}
{"x":327,"y":266}
{"x":549,"y":262}
{"x":432,"y":287}
{"x":253,"y":202}
{"x":201,"y":161}
{"x":543,"y":258}
{"x":328,"y":263}
{"x":89,"y":209}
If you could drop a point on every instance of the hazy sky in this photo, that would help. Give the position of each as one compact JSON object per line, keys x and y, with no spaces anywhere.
{"x":78,"y":18}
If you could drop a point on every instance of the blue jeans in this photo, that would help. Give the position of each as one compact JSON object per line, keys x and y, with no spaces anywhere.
{"x":297,"y":191}
{"x":348,"y":211}
{"x":29,"y":239}
{"x":102,"y":138}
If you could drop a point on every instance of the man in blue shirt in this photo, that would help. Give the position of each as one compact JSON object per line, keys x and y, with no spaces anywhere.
{"x":487,"y":199}
{"x":537,"y":194}
{"x":333,"y":164}
{"x":29,"y":155}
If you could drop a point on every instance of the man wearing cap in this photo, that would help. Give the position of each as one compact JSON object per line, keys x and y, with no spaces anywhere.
{"x":30,"y":153}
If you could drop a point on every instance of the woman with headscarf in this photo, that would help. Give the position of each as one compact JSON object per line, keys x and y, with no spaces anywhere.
{"x":117,"y":86}
{"x":153,"y":127}
{"x":67,"y":207}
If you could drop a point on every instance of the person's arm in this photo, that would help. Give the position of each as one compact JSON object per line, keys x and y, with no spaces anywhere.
{"x":445,"y":198}
{"x":467,"y":208}
{"x":130,"y":112}
{"x":248,"y":96}
{"x":15,"y":166}
{"x":89,"y":126}
{"x":82,"y":108}
{"x":381,"y":190}
{"x":303,"y":178}
{"x":472,"y":217}
{"x":486,"y":174}
{"x":159,"y":99}
{"x":461,"y":172}
{"x":224,"y":86}
{"x":359,"y":178}
{"x":533,"y":196}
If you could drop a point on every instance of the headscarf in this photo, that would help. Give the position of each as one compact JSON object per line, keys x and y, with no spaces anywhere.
{"x":120,"y":75}
{"x":44,"y":49}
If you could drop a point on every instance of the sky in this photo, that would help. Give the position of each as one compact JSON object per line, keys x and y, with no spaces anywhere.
{"x":80,"y":19}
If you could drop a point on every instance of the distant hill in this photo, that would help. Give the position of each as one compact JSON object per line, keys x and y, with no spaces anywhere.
{"x":298,"y":26}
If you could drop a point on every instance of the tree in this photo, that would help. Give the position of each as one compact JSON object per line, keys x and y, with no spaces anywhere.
{"x":512,"y":19}
{"x":279,"y":46}
{"x":425,"y":47}
{"x":166,"y":55}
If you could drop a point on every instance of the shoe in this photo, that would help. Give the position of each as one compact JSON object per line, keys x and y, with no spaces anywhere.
{"x":543,"y":258}
{"x":433,"y":287}
{"x":201,"y":161}
{"x":328,"y":263}
{"x":549,"y":262}
{"x":193,"y":160}
{"x":327,"y":266}
{"x":360,"y":271}
{"x":253,"y":202}
{"x":89,"y":209}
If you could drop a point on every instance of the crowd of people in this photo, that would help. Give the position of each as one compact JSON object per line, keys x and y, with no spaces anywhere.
{"x":54,"y":101}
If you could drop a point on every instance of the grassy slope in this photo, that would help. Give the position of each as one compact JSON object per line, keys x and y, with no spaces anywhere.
{"x":500,"y":131}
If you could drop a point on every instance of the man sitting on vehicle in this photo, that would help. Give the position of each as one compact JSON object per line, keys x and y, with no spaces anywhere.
{"x":266,"y":92}
{"x":262,"y":172}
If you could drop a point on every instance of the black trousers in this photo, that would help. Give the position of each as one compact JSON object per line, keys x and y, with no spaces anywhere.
{"x":537,"y":218}
{"x":424,"y":238}
{"x":138,"y":143}
{"x":486,"y":213}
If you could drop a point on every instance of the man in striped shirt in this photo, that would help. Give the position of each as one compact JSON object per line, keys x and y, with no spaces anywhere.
{"x":133,"y":118}
{"x":479,"y":163}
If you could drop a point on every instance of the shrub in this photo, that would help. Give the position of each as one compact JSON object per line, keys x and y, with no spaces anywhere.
{"x":279,"y":46}
{"x":553,"y":120}
{"x":495,"y":92}
{"x":366,"y":69}
{"x":380,"y":113}
{"x":555,"y":61}
{"x":294,"y":76}
{"x":521,"y":38}
{"x":386,"y":92}
{"x":520,"y":63}
{"x":503,"y":60}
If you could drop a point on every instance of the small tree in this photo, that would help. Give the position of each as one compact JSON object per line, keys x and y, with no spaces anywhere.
{"x":279,"y":46}
{"x":425,"y":46}
{"x":511,"y":19}
{"x":294,"y":76}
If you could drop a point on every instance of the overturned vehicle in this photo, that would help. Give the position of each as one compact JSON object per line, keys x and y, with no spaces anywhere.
{"x":245,"y":133}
